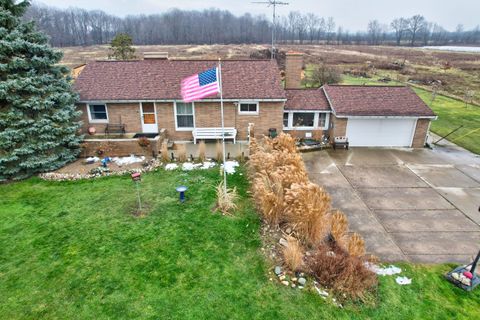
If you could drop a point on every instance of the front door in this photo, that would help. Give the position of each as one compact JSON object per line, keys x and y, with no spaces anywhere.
{"x":148,"y":115}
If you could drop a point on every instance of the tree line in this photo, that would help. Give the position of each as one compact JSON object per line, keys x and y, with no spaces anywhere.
{"x":80,"y":27}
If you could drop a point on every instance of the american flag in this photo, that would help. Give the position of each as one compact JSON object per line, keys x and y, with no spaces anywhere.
{"x":200,"y":85}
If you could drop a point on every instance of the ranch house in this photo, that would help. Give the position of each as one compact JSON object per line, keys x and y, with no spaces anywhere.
{"x":142,"y":97}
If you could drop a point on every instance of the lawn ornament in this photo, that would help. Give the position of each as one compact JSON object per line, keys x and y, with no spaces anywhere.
{"x":181,"y":190}
{"x":105,"y":161}
{"x":137,"y":177}
{"x":92,"y":131}
{"x":464,"y":276}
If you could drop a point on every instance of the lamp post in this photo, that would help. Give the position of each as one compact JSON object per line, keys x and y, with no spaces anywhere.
{"x":181,"y":190}
{"x":136,"y":177}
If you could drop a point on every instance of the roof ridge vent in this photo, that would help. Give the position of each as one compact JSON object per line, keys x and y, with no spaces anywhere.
{"x":155,"y":55}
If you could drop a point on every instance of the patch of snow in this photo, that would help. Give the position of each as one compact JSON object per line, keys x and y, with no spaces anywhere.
{"x":403,"y":281}
{"x":388,"y":271}
{"x":188,"y":166}
{"x":120,"y":161}
{"x":93,"y":159}
{"x":207,"y":165}
{"x":171,"y":166}
{"x":230,"y":166}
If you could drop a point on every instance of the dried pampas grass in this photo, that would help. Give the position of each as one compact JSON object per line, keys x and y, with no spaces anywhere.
{"x":356,"y":245}
{"x":339,"y":228}
{"x":293,"y":254}
{"x":268,"y":194}
{"x":219,"y":151}
{"x":307,"y":208}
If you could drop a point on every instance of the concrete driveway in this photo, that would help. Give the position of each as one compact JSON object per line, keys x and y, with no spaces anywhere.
{"x":413,"y":205}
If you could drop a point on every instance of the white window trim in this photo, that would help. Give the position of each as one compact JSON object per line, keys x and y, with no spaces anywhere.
{"x":90,"y":120}
{"x":251,"y":113}
{"x":315,"y":120}
{"x":175,"y":116}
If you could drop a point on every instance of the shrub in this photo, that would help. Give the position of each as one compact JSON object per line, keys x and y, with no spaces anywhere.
{"x":307,"y":209}
{"x":226,"y":200}
{"x":164,"y":152}
{"x":333,"y":267}
{"x":202,"y":151}
{"x":143,"y":142}
{"x":293,"y":254}
{"x":182,"y":153}
{"x":322,"y":74}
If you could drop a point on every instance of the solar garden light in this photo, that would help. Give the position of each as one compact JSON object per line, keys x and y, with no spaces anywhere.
{"x":181,"y":190}
{"x":464,"y":276}
{"x":136,"y":177}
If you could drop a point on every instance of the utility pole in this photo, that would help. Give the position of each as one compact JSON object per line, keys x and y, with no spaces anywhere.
{"x":273,"y":4}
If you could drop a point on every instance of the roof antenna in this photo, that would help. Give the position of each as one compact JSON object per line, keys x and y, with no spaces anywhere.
{"x":273,"y":4}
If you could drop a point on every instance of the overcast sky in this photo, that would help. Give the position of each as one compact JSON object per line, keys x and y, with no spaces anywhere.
{"x":353,"y":15}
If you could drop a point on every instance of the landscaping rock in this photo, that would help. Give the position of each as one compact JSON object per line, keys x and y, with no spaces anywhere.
{"x":283,"y":242}
{"x":282,"y":277}
{"x":277,"y":270}
{"x":285,"y":283}
{"x":302,"y":281}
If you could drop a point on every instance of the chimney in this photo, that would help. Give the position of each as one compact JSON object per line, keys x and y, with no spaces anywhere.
{"x":155,"y":55}
{"x":293,"y":70}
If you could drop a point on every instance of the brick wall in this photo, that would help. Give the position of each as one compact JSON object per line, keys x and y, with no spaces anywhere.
{"x":293,"y":70}
{"x":338,"y":126}
{"x":126,"y":113}
{"x":207,"y":114}
{"x":420,"y":133}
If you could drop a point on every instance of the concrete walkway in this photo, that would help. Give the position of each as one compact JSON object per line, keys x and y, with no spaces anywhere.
{"x":411,"y":205}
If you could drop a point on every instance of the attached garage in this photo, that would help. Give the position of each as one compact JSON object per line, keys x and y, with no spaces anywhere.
{"x":380,"y":132}
{"x":378,"y":116}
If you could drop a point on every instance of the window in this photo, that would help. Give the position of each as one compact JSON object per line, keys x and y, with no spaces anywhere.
{"x":303,"y":119}
{"x":285,"y":119}
{"x":184,"y":115}
{"x":322,"y":120}
{"x":248,"y":108}
{"x":97,"y":113}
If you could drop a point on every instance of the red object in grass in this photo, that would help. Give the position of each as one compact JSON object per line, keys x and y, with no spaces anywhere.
{"x":468,"y":274}
{"x":136,"y":176}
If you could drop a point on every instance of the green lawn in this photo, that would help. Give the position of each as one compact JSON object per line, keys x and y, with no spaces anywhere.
{"x":451,"y":114}
{"x":72,"y":250}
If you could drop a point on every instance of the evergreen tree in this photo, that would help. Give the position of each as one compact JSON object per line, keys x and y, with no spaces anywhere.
{"x":121,"y":47}
{"x":38,"y":119}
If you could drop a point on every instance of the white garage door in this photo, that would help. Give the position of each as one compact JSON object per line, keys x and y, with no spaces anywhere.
{"x":380,"y":132}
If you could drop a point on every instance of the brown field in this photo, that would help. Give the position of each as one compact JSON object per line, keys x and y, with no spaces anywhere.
{"x":421,"y":66}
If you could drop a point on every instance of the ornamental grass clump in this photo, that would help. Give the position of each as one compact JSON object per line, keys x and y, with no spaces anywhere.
{"x":226,"y":200}
{"x":202,"y":151}
{"x":356,"y":245}
{"x":339,"y":228}
{"x":268,"y":194}
{"x":307,"y":211}
{"x":293,"y":254}
{"x":219,"y":151}
{"x":164,"y":152}
{"x":334,"y":268}
{"x":182,"y":153}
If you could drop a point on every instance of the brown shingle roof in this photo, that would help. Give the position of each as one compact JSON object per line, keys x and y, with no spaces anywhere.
{"x":160,"y":79}
{"x":376,"y":101}
{"x":306,"y":99}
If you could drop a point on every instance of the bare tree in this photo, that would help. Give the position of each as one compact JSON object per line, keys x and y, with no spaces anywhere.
{"x":312,"y":22}
{"x":330,"y":25}
{"x":399,"y":26}
{"x":415,"y":24}
{"x":374,"y":30}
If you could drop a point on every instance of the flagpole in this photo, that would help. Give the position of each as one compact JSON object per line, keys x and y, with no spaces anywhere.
{"x":223,"y":124}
